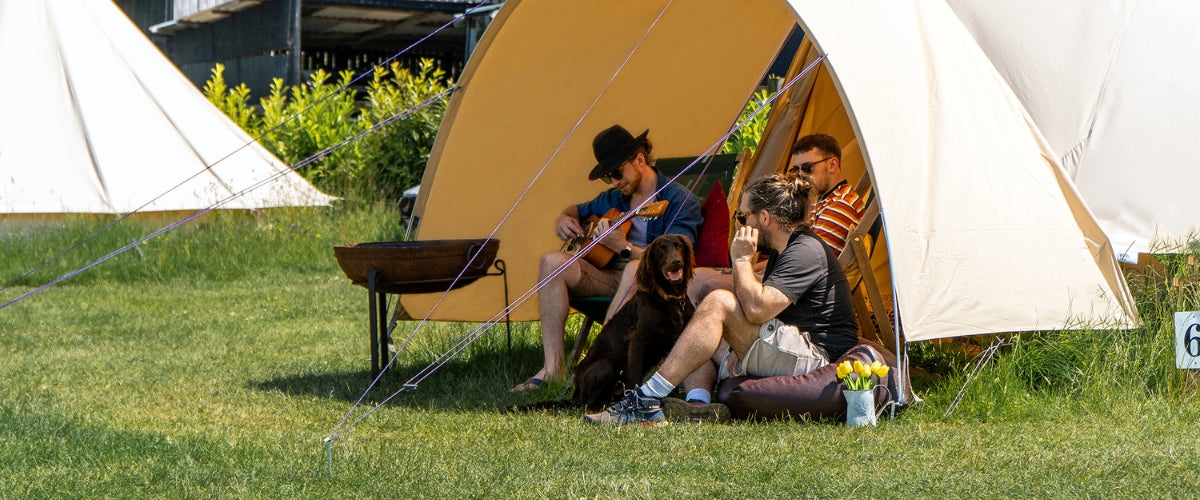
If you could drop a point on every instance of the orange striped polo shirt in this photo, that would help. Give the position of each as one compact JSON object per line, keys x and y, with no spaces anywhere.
{"x":835,"y":214}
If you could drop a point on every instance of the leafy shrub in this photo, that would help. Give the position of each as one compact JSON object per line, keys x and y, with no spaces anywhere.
{"x":748,"y":135}
{"x":233,"y":102}
{"x":295,"y":123}
{"x":398,"y":153}
{"x":307,"y":119}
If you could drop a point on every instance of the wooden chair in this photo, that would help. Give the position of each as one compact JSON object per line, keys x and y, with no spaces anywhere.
{"x":700,"y":180}
{"x":874,"y":321}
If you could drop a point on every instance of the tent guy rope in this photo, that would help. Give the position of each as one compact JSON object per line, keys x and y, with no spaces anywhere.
{"x":255,"y":140}
{"x":566,"y":137}
{"x":471,"y":336}
{"x":319,"y":155}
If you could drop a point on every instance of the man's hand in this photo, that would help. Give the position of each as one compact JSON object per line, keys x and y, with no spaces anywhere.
{"x":567,"y":227}
{"x":745,"y":243}
{"x":615,"y":239}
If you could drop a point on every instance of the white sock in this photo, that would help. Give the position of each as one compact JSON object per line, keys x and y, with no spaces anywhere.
{"x":701,"y":395}
{"x":657,"y":387}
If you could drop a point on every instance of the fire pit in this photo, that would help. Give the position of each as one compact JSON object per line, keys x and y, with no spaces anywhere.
{"x":416,"y":266}
{"x":400,"y":267}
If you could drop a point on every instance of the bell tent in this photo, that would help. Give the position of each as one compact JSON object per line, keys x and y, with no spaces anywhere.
{"x":97,"y":120}
{"x":984,"y":231}
{"x":1108,"y":85}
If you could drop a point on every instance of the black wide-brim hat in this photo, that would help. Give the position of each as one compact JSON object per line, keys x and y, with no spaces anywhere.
{"x":612,"y":147}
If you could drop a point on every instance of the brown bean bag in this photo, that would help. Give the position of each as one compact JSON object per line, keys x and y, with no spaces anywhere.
{"x":815,"y":395}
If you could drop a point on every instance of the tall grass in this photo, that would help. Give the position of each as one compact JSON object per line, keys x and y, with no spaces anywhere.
{"x":221,"y":245}
{"x":213,"y":362}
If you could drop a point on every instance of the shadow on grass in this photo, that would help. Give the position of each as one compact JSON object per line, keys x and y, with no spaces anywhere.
{"x":475,"y":379}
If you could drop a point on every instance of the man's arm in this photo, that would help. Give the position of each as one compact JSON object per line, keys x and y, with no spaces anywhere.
{"x":686,"y":217}
{"x":759,"y":303}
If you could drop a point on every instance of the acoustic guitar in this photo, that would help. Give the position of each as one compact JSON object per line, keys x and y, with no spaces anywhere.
{"x":601,"y":255}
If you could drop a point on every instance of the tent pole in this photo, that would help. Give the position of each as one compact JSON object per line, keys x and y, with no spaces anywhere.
{"x":901,"y":358}
{"x":901,"y":349}
{"x":292,"y":72}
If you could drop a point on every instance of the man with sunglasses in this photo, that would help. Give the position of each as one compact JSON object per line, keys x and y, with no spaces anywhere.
{"x":625,"y":163}
{"x":794,"y":320}
{"x":818,"y":157}
{"x":839,"y":209}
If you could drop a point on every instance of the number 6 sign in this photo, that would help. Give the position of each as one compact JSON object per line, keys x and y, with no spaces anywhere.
{"x":1187,"y":340}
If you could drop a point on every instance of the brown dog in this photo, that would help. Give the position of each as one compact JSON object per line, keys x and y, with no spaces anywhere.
{"x":645,"y":329}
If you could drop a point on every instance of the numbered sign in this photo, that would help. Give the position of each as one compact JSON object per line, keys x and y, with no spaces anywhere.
{"x":1187,"y":340}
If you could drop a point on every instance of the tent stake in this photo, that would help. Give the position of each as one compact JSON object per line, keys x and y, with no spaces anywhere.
{"x":329,"y":454}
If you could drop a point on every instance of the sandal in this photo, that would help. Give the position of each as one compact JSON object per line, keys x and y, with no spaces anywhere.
{"x":532,"y":384}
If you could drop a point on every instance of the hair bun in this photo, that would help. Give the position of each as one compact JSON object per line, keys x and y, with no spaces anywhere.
{"x":801,"y":185}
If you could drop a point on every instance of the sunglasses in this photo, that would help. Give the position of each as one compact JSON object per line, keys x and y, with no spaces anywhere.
{"x":740,"y":216}
{"x":615,"y":175}
{"x":807,"y":167}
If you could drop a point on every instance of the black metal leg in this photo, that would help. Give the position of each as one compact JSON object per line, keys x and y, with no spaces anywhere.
{"x":372,"y":278}
{"x":382,"y":339}
{"x":499,"y":264}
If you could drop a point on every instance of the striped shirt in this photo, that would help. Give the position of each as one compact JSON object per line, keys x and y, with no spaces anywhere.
{"x":835,"y":214}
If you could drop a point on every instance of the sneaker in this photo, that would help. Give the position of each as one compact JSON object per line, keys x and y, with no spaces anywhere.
{"x":634,"y":408}
{"x":678,"y":410}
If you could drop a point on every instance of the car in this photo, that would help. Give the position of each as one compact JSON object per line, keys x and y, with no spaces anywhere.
{"x":408,"y":200}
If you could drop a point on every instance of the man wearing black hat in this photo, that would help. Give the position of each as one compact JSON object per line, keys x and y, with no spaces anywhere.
{"x":624,"y":161}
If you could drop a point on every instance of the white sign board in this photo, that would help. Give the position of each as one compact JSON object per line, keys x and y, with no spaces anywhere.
{"x":1187,"y":340}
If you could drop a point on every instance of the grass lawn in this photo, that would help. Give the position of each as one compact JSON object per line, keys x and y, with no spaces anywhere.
{"x":197,"y":368}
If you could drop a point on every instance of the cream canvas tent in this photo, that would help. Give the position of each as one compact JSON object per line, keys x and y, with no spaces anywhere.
{"x":1113,"y":88}
{"x":985,"y":232}
{"x":96,"y":120}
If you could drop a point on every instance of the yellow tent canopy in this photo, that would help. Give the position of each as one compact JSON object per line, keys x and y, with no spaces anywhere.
{"x":985,"y":233}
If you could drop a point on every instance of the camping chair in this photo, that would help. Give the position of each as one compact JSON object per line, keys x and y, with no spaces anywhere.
{"x":855,"y":259}
{"x":721,"y":168}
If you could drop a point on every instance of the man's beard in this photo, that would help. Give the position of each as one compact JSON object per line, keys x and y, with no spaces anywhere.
{"x":763,"y":242}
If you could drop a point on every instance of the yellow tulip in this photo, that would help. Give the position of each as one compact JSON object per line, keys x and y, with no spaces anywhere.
{"x":843,"y":369}
{"x":879,"y":369}
{"x":861,"y":369}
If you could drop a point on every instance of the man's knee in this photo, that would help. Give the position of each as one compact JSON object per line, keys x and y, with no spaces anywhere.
{"x":718,"y":300}
{"x":551,"y":262}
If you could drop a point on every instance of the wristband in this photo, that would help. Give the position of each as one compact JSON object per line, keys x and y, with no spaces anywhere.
{"x":741,"y":259}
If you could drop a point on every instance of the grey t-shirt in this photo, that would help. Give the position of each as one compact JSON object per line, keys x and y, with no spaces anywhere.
{"x":808,"y":273}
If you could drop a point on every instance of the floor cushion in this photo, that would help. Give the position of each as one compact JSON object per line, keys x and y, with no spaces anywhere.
{"x":816,"y":395}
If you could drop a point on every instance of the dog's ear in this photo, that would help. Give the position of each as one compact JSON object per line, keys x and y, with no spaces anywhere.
{"x":647,"y":271}
{"x":689,"y":259}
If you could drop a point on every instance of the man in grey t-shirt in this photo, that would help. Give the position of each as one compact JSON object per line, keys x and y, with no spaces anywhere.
{"x":797,"y":319}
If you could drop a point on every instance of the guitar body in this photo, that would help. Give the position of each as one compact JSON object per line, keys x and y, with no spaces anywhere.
{"x":600,"y":255}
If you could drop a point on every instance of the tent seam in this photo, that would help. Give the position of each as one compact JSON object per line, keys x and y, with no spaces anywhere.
{"x":1077,"y":151}
{"x":108,"y":200}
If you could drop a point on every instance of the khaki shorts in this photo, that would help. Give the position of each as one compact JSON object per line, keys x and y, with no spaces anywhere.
{"x":780,"y":349}
{"x":594,"y":281}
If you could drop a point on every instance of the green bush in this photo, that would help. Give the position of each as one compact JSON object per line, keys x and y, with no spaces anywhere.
{"x":295,"y":123}
{"x":306,"y":119}
{"x":398,"y":153}
{"x":748,"y":135}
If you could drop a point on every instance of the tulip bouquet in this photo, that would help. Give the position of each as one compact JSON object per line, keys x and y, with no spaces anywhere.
{"x":858,"y":376}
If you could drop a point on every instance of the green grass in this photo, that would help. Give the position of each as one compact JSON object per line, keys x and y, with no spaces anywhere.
{"x":214,"y":362}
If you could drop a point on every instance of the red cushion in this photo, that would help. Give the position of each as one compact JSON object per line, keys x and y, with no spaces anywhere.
{"x":712,"y":247}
